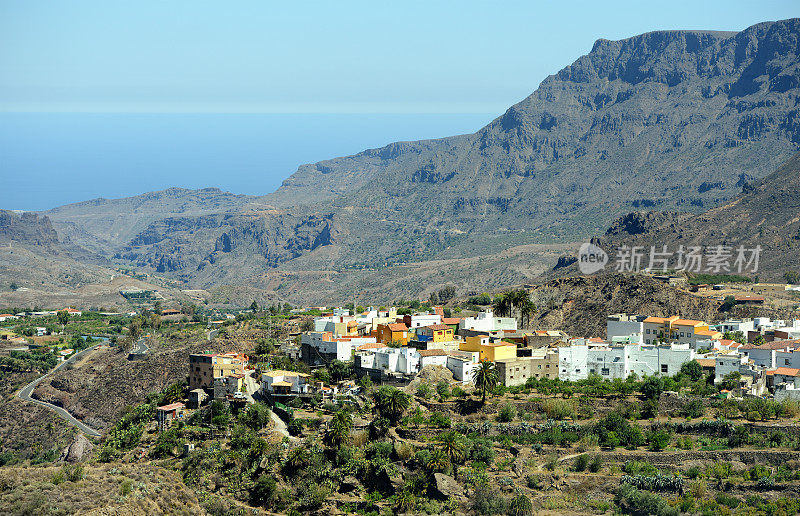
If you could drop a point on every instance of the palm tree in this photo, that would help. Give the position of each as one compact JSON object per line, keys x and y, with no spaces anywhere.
{"x":339,"y":428}
{"x":391,"y":402}
{"x":298,"y":458}
{"x":485,"y":377}
{"x":502,"y":305}
{"x":438,"y":461}
{"x":453,"y":445}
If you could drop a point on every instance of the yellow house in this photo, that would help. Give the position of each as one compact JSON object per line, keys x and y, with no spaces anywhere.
{"x":436,"y":333}
{"x":392,"y":332}
{"x":491,"y":351}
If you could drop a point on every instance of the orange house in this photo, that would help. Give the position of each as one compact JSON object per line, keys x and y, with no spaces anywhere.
{"x":393,"y":332}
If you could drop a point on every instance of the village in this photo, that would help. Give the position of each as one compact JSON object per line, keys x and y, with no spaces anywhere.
{"x":532,"y":402}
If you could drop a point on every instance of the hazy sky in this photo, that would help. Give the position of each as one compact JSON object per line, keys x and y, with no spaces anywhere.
{"x":345,"y":56}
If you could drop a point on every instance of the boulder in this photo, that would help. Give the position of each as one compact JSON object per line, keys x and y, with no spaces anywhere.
{"x":447,"y":487}
{"x":78,"y":450}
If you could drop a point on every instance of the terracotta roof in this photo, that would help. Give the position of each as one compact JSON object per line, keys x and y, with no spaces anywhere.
{"x":776,"y":344}
{"x":661,"y":320}
{"x":748,"y":297}
{"x":7,"y":315}
{"x":432,"y":353}
{"x":451,"y":320}
{"x":688,"y":322}
{"x":171,"y":406}
{"x":370,"y":345}
{"x":707,"y":332}
{"x":397,"y":327}
{"x":787,"y":371}
{"x":438,"y":327}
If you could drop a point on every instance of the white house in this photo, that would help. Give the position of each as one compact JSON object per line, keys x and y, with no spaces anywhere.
{"x":788,"y":357}
{"x":726,"y":364}
{"x":284,"y":382}
{"x":624,"y":325}
{"x":462,"y":364}
{"x":486,"y":321}
{"x":734,"y":325}
{"x":420,"y":320}
{"x":572,"y":362}
{"x":403,"y":360}
{"x":322,"y":347}
{"x":432,"y":357}
{"x":584,"y":357}
{"x":765,"y":355}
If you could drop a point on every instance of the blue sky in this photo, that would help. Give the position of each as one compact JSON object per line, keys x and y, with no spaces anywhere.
{"x":327,"y":57}
{"x":108,"y":98}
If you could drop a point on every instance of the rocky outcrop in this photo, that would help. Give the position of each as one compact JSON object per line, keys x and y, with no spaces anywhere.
{"x":446,"y":486}
{"x":27,"y":228}
{"x":79,"y":450}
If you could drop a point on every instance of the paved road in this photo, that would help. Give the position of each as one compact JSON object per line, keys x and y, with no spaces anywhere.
{"x":140,"y":346}
{"x":25,"y":394}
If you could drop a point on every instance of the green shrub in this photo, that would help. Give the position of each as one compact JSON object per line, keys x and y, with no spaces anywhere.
{"x":507,"y":413}
{"x":581,"y":462}
{"x":659,"y":440}
{"x":641,"y":503}
{"x":559,"y":408}
{"x":126,"y":487}
{"x":424,"y":391}
{"x":520,"y":505}
{"x":637,"y":467}
{"x":596,"y":464}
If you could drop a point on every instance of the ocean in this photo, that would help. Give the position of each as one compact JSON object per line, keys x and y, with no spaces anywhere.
{"x":51,"y":159}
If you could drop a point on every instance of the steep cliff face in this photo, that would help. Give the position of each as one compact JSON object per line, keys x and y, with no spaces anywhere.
{"x":670,"y":120}
{"x":767,"y":214}
{"x":26,"y":228}
{"x":673,"y":119}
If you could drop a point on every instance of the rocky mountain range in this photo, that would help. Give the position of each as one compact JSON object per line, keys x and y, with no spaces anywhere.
{"x":668,"y":120}
{"x":767,"y":214}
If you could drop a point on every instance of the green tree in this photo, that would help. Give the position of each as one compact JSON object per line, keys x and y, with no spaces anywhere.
{"x":652,"y":387}
{"x":254,"y":306}
{"x":339,"y":428}
{"x":485,"y":377}
{"x":63,"y":318}
{"x":453,"y":444}
{"x":256,"y":416}
{"x":438,"y":461}
{"x":263,"y":491}
{"x":693,"y":370}
{"x":391,"y":402}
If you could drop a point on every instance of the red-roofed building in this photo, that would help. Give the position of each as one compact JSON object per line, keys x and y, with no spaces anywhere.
{"x":748,"y":299}
{"x":166,"y":414}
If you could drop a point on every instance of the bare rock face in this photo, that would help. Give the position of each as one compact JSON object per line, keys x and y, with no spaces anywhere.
{"x":668,"y":121}
{"x":447,"y":487}
{"x":78,"y":450}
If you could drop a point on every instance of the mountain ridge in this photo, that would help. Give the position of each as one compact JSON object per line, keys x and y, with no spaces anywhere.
{"x":667,"y":120}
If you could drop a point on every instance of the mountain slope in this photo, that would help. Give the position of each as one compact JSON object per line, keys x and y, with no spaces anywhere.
{"x":669,"y":120}
{"x":766,"y":214}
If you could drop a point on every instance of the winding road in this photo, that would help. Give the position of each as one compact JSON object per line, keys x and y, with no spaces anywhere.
{"x":25,"y":395}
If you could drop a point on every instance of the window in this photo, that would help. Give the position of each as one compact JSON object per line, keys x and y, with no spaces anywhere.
{"x":664,"y":368}
{"x":604,"y":371}
{"x":648,"y":341}
{"x":786,"y":362}
{"x":647,"y":331}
